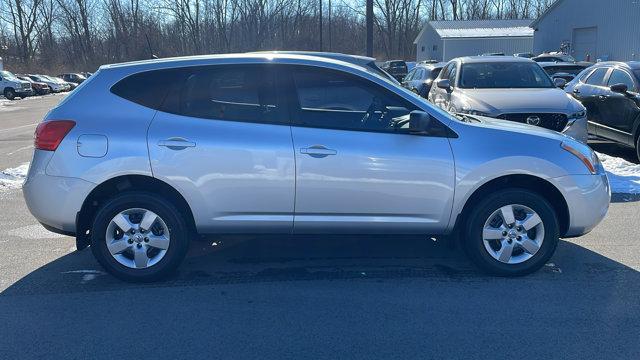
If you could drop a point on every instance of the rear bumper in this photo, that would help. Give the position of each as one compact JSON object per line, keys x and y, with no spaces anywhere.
{"x":53,"y":200}
{"x":588,"y":198}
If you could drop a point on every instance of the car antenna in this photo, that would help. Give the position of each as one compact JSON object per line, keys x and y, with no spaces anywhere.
{"x":153,"y":56}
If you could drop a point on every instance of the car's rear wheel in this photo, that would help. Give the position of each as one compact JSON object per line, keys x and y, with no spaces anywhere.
{"x":139,"y":237}
{"x":511,"y":232}
{"x":9,"y":93}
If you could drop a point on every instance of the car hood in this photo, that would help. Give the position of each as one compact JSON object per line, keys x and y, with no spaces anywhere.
{"x":517,"y":100}
{"x":505,"y":125}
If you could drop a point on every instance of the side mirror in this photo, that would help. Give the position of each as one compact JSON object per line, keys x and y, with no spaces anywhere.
{"x":419,"y":122}
{"x":444,"y":84}
{"x":560,"y":82}
{"x":619,"y":88}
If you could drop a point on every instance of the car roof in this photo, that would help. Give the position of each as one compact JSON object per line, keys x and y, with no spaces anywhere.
{"x":561,"y":64}
{"x":633,"y":65}
{"x":496,"y":59}
{"x":431,"y":65}
{"x":355,"y":59}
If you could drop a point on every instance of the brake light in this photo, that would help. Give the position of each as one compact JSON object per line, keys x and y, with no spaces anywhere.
{"x":51,"y":133}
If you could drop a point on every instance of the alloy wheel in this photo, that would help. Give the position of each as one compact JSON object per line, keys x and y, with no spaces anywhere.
{"x":137,"y":238}
{"x":513,"y":234}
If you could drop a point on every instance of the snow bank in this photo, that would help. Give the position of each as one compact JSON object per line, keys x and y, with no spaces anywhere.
{"x":624,"y":176}
{"x":14,"y":177}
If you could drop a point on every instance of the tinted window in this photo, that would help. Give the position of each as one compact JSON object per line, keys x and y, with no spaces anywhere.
{"x":420,"y":74}
{"x":147,"y":88}
{"x":503,"y":75}
{"x":621,"y":77}
{"x":410,"y":75}
{"x":597,"y":77}
{"x":331,"y":99}
{"x":452,"y":74}
{"x":445,"y":71}
{"x":434,"y":73}
{"x":242,"y":93}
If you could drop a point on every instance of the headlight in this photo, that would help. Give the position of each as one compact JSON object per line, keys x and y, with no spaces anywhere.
{"x":590,"y":159}
{"x":473,"y":112}
{"x":577,"y":115}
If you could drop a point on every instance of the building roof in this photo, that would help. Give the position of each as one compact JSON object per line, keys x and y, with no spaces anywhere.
{"x":448,"y":29}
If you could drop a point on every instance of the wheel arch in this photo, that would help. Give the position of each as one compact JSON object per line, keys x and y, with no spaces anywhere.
{"x":536,"y":184}
{"x":119,"y":184}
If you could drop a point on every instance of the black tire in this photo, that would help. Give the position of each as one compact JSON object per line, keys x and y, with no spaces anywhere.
{"x":164,"y":209}
{"x":9,"y":93}
{"x":638,"y":148}
{"x":482,"y":210}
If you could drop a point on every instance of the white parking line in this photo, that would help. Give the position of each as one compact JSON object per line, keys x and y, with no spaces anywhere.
{"x":20,"y":149}
{"x":17,"y":127}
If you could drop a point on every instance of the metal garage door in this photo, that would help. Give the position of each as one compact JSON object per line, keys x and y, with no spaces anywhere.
{"x":584,"y":43}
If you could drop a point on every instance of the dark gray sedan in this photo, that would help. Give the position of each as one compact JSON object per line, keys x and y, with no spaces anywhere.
{"x":419,"y":79}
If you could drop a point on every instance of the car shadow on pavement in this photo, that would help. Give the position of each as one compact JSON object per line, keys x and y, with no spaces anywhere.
{"x":253,"y":259}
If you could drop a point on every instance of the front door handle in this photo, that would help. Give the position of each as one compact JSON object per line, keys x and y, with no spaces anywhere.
{"x":317,"y":151}
{"x":176,"y":143}
{"x":602,"y":97}
{"x":576,"y":91}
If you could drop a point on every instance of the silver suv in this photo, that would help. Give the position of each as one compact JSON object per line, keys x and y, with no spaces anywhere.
{"x":509,"y":88}
{"x":144,"y":156}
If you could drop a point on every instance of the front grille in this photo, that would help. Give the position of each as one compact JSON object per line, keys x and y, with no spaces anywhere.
{"x":551,"y":121}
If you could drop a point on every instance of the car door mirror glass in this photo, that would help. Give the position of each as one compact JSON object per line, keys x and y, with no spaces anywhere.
{"x":444,"y":84}
{"x":619,"y":88}
{"x":560,"y":82}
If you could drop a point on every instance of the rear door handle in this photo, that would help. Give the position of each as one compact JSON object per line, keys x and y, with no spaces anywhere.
{"x":318,"y":151}
{"x":176,"y":143}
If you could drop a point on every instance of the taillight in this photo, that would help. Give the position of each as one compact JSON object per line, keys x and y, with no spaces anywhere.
{"x":50,"y":134}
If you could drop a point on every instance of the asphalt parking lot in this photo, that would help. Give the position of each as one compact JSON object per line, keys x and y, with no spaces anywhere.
{"x":311,"y":297}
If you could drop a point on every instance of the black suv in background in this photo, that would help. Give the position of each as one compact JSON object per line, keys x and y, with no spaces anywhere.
{"x":611,"y":93}
{"x":420,"y":79}
{"x":73,"y":78}
{"x":397,"y":68}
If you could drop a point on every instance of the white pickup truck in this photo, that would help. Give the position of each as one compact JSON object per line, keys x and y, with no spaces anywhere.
{"x":12,"y":87}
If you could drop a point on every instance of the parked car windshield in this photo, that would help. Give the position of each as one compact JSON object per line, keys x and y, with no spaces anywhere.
{"x":491,"y":75}
{"x":7,"y":75}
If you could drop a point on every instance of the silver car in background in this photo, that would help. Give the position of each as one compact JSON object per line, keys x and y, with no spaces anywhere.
{"x":144,"y":156}
{"x":509,"y":88}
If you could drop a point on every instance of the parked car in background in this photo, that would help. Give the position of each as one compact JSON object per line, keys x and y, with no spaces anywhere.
{"x":12,"y":87}
{"x":39,"y":88}
{"x":86,"y":74}
{"x":524,"y":55}
{"x":611,"y":93}
{"x":513,"y":89}
{"x":397,"y":68}
{"x":554,"y":57}
{"x":340,"y":149}
{"x":566,"y":71}
{"x":72,"y":78}
{"x":68,"y":86}
{"x":419,"y":79}
{"x":54,"y":86}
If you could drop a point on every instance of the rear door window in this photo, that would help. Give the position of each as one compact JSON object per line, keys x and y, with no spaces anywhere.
{"x":621,"y":77}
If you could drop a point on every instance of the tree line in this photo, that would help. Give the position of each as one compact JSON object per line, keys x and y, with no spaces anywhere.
{"x":80,"y":35}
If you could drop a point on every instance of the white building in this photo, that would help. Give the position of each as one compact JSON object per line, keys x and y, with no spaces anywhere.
{"x":445,"y":40}
{"x":590,"y":29}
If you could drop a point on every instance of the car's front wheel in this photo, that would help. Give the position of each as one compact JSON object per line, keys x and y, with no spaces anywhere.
{"x":511,"y":232}
{"x":139,"y":237}
{"x":9,"y":93}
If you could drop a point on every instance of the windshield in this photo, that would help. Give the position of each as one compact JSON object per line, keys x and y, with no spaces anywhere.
{"x":499,"y":75}
{"x":637,"y":73}
{"x":574,"y":70}
{"x":7,"y":75}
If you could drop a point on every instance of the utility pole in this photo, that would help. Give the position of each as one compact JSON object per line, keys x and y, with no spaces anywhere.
{"x":329,"y":25}
{"x":320,"y":25}
{"x":370,"y":28}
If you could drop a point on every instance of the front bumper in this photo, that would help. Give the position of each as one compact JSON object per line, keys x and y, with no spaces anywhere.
{"x":53,"y":200}
{"x":587,"y":197}
{"x":24,"y":92}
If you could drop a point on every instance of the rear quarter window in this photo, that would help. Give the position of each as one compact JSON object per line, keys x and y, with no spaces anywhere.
{"x":149,"y":88}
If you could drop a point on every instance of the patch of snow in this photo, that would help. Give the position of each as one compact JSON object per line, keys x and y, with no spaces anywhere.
{"x":13,"y":178}
{"x":624,"y":176}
